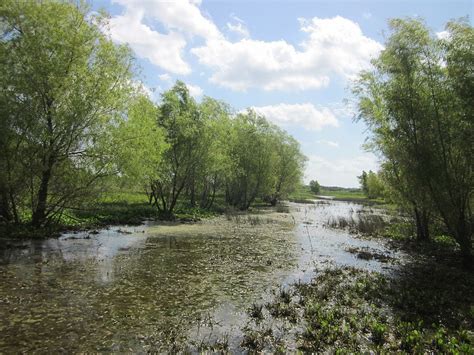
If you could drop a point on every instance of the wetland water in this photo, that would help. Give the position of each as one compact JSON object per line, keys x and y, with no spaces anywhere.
{"x":161,"y":287}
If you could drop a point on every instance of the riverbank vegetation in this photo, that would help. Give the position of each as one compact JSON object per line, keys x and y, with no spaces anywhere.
{"x":77,"y":122}
{"x":417,"y":102}
{"x":426,"y":308}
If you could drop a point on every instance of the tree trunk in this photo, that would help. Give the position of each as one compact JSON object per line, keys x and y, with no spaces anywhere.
{"x":422,"y":225}
{"x":464,"y":238}
{"x":39,"y":214}
{"x":273,"y":201}
{"x":5,"y":213}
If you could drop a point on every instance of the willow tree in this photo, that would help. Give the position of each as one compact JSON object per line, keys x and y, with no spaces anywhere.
{"x":137,"y":142}
{"x":252,"y":155}
{"x":181,"y":122}
{"x":417,"y":102}
{"x":64,"y":83}
{"x":287,"y":165}
{"x":214,"y":164}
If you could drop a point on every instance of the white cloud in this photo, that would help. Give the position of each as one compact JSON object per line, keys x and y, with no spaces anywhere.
{"x":442,"y":35}
{"x":238,"y":27}
{"x":163,"y":50}
{"x":181,"y":18}
{"x":165,"y":77}
{"x":333,"y":46}
{"x":329,"y":143}
{"x":177,"y":15}
{"x":194,"y":90}
{"x":339,"y":172}
{"x":305,"y":115}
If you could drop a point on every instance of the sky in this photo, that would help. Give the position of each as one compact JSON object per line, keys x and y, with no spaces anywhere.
{"x":292,"y":61}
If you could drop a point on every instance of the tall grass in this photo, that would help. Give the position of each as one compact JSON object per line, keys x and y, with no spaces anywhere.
{"x":371,"y":224}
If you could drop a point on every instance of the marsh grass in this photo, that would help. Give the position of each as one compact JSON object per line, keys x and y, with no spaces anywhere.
{"x":370,"y":254}
{"x":368,"y":224}
{"x":256,"y":311}
{"x":302,"y":200}
{"x":220,"y":345}
{"x":424,"y":309}
{"x":282,"y":209}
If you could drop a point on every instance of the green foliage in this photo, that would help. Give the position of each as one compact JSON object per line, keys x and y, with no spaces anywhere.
{"x":251,"y":153}
{"x":358,"y":311}
{"x":64,"y":84}
{"x":138,"y":143}
{"x":418,"y":104}
{"x":207,"y":152}
{"x":183,"y":127}
{"x":371,"y":184}
{"x":266,"y":162}
{"x":314,"y":187}
{"x":72,"y":114}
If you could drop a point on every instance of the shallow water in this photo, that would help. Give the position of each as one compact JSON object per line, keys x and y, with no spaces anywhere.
{"x":158,"y":287}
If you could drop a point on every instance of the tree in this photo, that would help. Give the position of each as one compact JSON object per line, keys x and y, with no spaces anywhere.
{"x":363,"y":182}
{"x":287,"y":165}
{"x":416,"y":107}
{"x":314,"y":187}
{"x":374,"y":185}
{"x":215,"y":160}
{"x":252,"y":154}
{"x":138,"y":143}
{"x":64,"y":83}
{"x":182,"y":124}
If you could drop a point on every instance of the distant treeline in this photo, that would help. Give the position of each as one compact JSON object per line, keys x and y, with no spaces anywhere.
{"x":73,"y":116}
{"x":337,"y":188}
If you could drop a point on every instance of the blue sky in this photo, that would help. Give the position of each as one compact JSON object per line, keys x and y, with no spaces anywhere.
{"x":292,"y":61}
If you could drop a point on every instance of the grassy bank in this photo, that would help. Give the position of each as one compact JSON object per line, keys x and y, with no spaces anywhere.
{"x":112,"y":208}
{"x":349,"y":194}
{"x":303,"y":194}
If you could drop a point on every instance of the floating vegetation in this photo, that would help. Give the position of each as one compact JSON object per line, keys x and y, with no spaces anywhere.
{"x":135,"y":291}
{"x":366,"y":253}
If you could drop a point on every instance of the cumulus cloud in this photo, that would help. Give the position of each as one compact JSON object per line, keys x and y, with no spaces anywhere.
{"x":163,"y":50}
{"x":339,"y":172}
{"x":194,"y":90}
{"x":165,"y":77}
{"x":177,"y":15}
{"x":305,"y":115}
{"x":333,"y":46}
{"x":181,"y":18}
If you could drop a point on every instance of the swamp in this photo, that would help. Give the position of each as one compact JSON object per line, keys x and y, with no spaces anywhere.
{"x":262,"y":280}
